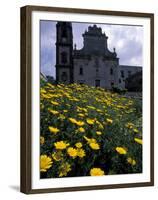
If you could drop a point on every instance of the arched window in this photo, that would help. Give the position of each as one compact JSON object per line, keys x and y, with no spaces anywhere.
{"x":81,"y":71}
{"x":111,"y":71}
{"x":64,"y":57}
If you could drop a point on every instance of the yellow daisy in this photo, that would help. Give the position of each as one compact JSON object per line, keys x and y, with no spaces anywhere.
{"x":53,"y":129}
{"x":81,"y":153}
{"x":94,"y":145}
{"x":90,"y":121}
{"x":81,"y":129}
{"x":54,"y":103}
{"x":78,"y":144}
{"x":131,"y":161}
{"x":72,"y":152}
{"x":96,"y":172}
{"x":138,"y":140}
{"x":61,"y":145}
{"x":45,"y":163}
{"x":98,"y":132}
{"x":121,"y":150}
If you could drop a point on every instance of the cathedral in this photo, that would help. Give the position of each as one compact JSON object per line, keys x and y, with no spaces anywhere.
{"x":94,"y":64}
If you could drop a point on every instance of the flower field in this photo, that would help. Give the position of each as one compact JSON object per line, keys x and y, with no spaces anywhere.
{"x":87,"y":131}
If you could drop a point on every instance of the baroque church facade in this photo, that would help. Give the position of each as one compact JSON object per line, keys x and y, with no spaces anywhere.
{"x":94,"y":64}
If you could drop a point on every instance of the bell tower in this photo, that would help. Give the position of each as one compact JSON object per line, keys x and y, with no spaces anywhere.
{"x":64,"y":49}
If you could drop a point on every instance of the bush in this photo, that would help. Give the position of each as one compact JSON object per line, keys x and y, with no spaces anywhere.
{"x":119,"y":90}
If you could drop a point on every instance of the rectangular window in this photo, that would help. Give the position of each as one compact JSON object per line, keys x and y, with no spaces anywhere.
{"x":122,"y":74}
{"x":111,"y":71}
{"x":97,"y":83}
{"x":81,"y":71}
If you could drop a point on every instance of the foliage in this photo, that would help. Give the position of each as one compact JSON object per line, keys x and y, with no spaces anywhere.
{"x":119,"y":90}
{"x":88,"y":131}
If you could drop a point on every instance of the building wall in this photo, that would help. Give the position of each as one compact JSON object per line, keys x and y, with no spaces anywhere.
{"x":94,"y":64}
{"x":125,"y":71}
{"x":65,"y":71}
{"x":99,"y":47}
{"x":67,"y":51}
{"x":96,"y":69}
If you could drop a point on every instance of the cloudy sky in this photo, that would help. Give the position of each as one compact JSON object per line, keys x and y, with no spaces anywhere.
{"x":127,"y":40}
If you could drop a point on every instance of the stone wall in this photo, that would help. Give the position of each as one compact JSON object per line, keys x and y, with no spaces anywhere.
{"x":96,"y":69}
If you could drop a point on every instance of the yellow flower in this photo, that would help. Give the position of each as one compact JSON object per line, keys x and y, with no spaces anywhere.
{"x":79,"y":123}
{"x":81,"y":153}
{"x":54,"y":103}
{"x":57,"y":156}
{"x":81,"y":129}
{"x":72,"y":152}
{"x":131,"y":161}
{"x":135,"y":130}
{"x":50,"y":85}
{"x":72,"y":120}
{"x":41,"y":106}
{"x":54,"y":112}
{"x":81,"y":115}
{"x":89,"y":140}
{"x":45,"y":163}
{"x":109,"y":120}
{"x":90,"y":121}
{"x":61,"y":145}
{"x":121,"y":150}
{"x":98,"y":132}
{"x":129,"y":125}
{"x":139,"y":141}
{"x":61,"y":116}
{"x":100,"y":125}
{"x":91,"y":107}
{"x":79,"y":109}
{"x":42,"y":140}
{"x":46,"y":96}
{"x":78,"y":144}
{"x":53,"y":129}
{"x":96,"y":172}
{"x":64,"y":169}
{"x":94,"y":145}
{"x":43,"y":91}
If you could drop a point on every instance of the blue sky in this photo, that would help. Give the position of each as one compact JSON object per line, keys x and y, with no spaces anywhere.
{"x":128,"y":41}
